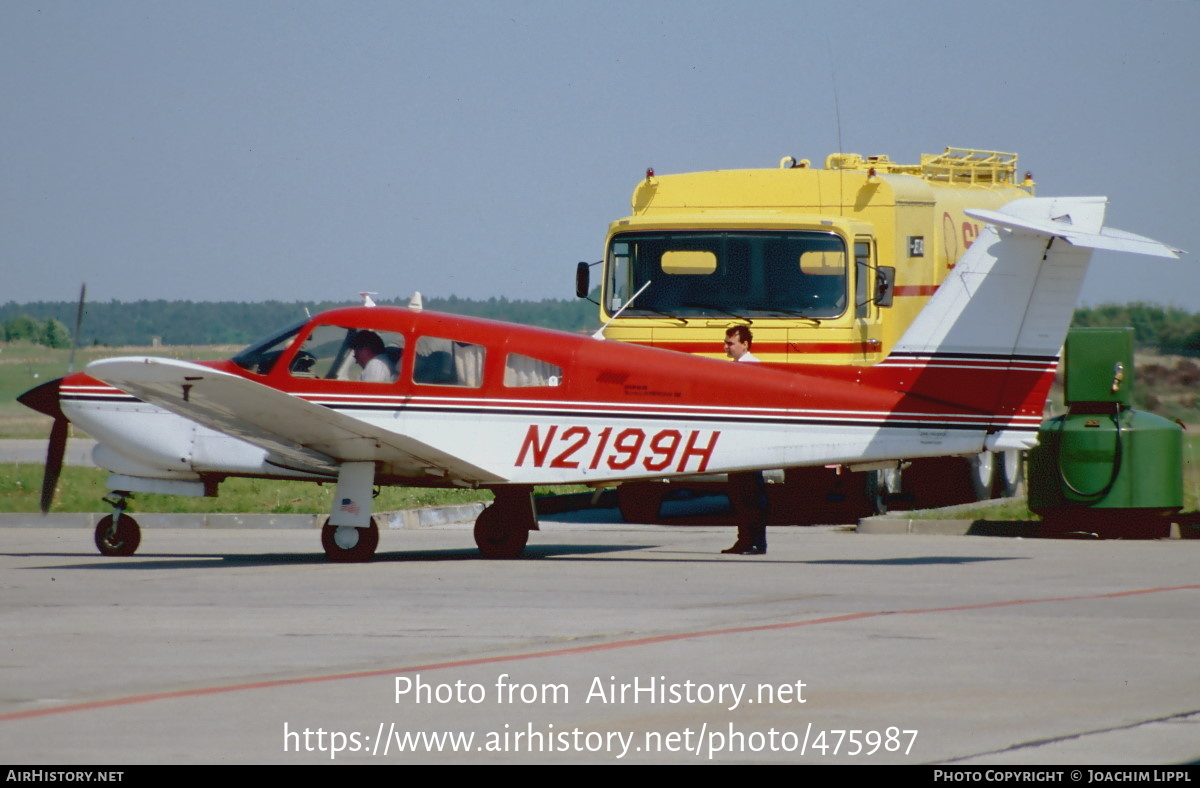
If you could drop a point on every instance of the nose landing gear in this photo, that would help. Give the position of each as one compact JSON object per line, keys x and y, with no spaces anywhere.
{"x":118,"y":534}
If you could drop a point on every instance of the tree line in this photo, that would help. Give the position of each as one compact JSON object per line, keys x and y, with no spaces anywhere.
{"x":1168,"y":330}
{"x":116,"y":323}
{"x":22,"y":328}
{"x":139,"y":323}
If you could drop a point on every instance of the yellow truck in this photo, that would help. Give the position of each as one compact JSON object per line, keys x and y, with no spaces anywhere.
{"x":825,"y":266}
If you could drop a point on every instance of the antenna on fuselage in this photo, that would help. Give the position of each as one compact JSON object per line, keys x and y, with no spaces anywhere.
{"x":600,"y":331}
{"x":366,"y":297}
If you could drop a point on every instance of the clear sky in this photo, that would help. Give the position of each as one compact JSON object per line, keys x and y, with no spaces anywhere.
{"x":242,"y":150}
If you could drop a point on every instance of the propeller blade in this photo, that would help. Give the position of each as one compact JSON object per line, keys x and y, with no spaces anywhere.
{"x":54,"y":461}
{"x":44,"y":399}
{"x":78,"y":325}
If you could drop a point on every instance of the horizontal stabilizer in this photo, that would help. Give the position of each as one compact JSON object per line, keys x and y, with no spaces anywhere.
{"x":1013,"y":292}
{"x":1064,"y":227}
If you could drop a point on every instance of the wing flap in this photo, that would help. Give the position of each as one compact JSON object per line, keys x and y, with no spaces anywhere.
{"x":296,"y":432}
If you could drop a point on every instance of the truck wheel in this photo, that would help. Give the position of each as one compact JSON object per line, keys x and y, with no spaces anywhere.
{"x":934,"y":482}
{"x":885,"y":482}
{"x":1010,"y":473}
{"x":640,"y":502}
{"x":981,"y":467}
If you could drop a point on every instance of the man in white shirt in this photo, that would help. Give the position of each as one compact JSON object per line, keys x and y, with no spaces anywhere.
{"x":737,"y":344}
{"x":368,"y":354}
{"x":747,"y":490}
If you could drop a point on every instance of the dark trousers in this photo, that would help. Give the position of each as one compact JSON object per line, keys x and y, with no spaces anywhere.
{"x":748,"y":494}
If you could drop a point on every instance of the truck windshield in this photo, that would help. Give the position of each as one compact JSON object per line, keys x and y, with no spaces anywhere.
{"x":728,"y":274}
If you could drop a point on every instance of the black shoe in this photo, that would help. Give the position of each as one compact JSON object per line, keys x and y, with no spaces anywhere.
{"x":752,"y":549}
{"x":739,"y":547}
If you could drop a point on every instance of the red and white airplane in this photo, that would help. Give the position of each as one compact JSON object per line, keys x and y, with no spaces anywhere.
{"x":438,"y":400}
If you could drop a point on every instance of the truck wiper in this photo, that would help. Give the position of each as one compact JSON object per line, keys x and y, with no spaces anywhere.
{"x":599,"y":334}
{"x":793,"y":313}
{"x":722,"y":310}
{"x":682,"y":320}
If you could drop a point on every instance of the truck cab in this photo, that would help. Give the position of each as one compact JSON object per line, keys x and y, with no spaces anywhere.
{"x":825,"y":266}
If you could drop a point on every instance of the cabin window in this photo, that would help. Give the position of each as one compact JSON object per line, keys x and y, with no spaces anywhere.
{"x":444,"y":362}
{"x":525,"y":372}
{"x":261,"y":356}
{"x":340,"y":353}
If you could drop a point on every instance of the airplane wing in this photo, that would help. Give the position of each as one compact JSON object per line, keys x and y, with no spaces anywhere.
{"x":297,"y":433}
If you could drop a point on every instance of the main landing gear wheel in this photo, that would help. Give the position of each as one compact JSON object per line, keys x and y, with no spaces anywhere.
{"x":348,"y":544}
{"x":499,"y":534}
{"x":118,"y":538}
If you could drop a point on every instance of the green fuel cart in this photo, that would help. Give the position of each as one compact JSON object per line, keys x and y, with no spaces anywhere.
{"x":1105,"y":466}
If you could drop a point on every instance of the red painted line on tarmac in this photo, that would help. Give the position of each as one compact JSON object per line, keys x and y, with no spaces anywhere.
{"x":560,"y":652}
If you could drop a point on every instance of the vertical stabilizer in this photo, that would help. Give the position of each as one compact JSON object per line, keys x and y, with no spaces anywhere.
{"x":1014,"y":291}
{"x":989,"y":338}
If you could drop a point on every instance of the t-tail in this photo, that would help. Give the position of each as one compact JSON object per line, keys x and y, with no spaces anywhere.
{"x":988,"y":340}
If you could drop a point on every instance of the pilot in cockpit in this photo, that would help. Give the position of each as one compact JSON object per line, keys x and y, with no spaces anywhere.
{"x":369,"y":353}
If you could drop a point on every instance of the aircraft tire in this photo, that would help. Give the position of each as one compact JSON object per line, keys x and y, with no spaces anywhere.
{"x":499,"y":535}
{"x":363,"y":550}
{"x":120,"y":541}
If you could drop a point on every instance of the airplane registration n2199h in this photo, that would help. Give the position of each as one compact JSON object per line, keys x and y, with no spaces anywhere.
{"x":368,"y":396}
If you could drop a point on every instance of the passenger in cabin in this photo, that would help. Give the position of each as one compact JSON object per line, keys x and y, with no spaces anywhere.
{"x":369,"y":353}
{"x":747,"y":489}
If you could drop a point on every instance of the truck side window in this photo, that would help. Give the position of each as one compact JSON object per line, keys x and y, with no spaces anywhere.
{"x":862,"y":273}
{"x":620,"y":274}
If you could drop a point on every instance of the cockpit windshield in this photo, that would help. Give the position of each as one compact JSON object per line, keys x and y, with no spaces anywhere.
{"x":261,"y":355}
{"x":728,"y":274}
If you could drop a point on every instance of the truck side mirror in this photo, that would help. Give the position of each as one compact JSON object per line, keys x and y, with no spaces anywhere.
{"x":582,"y":280}
{"x":885,"y":279}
